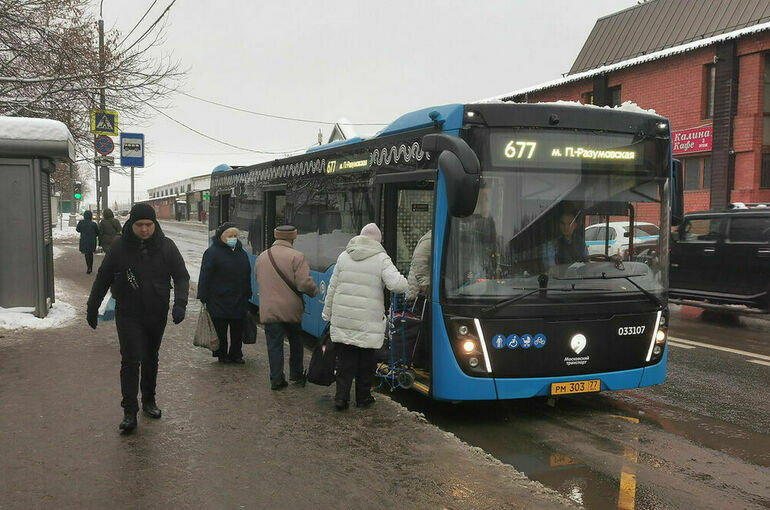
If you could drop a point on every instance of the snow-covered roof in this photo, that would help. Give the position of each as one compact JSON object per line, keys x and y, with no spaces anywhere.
{"x":22,"y":136}
{"x":346,"y":128}
{"x":683,"y":48}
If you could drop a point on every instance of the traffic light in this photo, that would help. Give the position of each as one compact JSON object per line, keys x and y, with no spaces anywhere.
{"x":78,"y":188}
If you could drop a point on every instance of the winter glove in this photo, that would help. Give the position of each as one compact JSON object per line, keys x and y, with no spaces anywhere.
{"x":92,"y":317}
{"x":177,"y":313}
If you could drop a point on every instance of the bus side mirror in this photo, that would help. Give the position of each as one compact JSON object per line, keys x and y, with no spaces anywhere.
{"x":677,"y":194}
{"x":461,"y":170}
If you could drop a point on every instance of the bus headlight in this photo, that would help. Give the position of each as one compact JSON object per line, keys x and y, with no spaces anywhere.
{"x":469,"y":346}
{"x":473,"y":362}
{"x":463,"y":330}
{"x":660,"y":337}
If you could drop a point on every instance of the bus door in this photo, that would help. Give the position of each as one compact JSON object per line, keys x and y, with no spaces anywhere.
{"x":406,"y":214}
{"x":275,"y":214}
{"x":224,"y":208}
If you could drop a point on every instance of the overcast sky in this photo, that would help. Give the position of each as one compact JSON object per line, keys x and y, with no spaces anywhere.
{"x":365,"y":61}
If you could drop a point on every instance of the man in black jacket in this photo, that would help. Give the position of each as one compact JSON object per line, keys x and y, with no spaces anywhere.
{"x":139,"y":267}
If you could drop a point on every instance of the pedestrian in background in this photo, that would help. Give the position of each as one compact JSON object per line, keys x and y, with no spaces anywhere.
{"x":109,"y":229}
{"x":224,"y":286}
{"x":139,"y":268}
{"x":355,"y":305}
{"x":283,"y":276}
{"x":89,"y":233}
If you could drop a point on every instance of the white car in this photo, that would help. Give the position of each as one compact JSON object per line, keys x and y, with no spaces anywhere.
{"x":616,"y":237}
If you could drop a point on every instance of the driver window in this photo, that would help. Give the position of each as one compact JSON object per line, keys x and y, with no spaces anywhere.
{"x":700,"y":229}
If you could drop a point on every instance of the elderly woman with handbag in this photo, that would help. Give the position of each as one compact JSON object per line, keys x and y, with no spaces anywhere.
{"x":224,"y":286}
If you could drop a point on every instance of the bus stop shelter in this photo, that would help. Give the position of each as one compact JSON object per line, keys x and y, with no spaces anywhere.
{"x":29,"y":151}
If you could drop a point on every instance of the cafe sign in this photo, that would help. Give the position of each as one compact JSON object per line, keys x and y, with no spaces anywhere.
{"x":688,"y":141}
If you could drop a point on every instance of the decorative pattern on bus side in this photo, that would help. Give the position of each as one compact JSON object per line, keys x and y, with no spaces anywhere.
{"x":377,"y":157}
{"x":394,"y":153}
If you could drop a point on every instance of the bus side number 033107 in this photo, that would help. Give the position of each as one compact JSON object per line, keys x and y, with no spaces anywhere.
{"x":520,"y":149}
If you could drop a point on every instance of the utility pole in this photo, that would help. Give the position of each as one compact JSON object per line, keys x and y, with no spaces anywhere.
{"x":104,"y":171}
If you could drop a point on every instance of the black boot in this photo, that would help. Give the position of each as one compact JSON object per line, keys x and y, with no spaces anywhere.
{"x":151,"y":410}
{"x":128,"y":424}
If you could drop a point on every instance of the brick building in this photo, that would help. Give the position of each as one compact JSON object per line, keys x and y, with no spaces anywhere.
{"x":704,"y":64}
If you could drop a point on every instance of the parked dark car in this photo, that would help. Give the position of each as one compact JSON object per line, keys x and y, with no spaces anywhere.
{"x":723,"y":257}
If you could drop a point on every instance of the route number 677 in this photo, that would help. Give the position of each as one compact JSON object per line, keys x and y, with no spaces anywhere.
{"x":520,"y":149}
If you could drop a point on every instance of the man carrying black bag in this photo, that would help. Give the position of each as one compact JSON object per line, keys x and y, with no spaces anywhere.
{"x":139,"y":268}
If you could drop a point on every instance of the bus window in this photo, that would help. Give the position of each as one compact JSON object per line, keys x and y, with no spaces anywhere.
{"x":327,"y":220}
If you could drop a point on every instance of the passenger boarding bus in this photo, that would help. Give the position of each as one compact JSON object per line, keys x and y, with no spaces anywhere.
{"x":516,"y":306}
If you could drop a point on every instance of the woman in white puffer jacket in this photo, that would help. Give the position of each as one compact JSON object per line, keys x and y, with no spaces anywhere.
{"x":355,"y":306}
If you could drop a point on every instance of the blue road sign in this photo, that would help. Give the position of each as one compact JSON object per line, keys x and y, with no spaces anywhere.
{"x":131,"y":149}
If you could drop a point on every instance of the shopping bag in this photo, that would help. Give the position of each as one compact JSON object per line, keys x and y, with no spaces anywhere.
{"x":107,"y":309}
{"x":205,"y":334}
{"x":250,"y":328}
{"x":321,"y":369}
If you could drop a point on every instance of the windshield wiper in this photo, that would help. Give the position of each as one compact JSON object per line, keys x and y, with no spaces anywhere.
{"x":542,"y":281}
{"x":652,"y":297}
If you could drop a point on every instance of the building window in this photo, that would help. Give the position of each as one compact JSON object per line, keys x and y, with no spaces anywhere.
{"x":764,"y":180}
{"x":587,"y":98}
{"x":711,"y":78}
{"x":766,"y":123}
{"x":697,"y":173}
{"x":613,"y":96}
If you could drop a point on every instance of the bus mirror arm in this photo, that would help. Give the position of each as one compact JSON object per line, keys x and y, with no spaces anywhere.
{"x":461,"y":170}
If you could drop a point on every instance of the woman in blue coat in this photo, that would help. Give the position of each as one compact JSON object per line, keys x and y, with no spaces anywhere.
{"x":89,"y":232}
{"x":224,"y":286}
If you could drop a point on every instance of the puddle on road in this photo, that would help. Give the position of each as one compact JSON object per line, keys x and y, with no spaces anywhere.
{"x":499,"y":430}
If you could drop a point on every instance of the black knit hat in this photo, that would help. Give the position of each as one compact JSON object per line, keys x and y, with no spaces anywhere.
{"x":141,"y":212}
{"x":224,"y":226}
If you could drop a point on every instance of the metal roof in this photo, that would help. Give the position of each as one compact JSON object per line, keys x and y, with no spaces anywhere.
{"x":659,"y":24}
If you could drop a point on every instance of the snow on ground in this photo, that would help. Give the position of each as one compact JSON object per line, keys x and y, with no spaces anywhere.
{"x":59,"y":315}
{"x":64,"y":231}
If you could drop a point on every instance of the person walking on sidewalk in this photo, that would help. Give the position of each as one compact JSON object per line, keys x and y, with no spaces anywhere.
{"x":224,"y":286}
{"x":89,"y":232}
{"x":355,"y":304}
{"x":139,"y":268}
{"x":283,"y":276}
{"x":109,"y":229}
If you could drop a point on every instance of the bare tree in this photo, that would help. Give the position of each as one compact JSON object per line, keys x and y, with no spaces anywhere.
{"x":49,"y":66}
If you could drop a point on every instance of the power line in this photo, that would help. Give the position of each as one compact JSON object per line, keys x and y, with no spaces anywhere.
{"x":165,"y":11}
{"x":282,"y":153}
{"x":138,"y":22}
{"x":295,"y":119}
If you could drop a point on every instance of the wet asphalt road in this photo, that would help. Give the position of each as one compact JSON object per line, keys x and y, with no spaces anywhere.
{"x":700,"y":440}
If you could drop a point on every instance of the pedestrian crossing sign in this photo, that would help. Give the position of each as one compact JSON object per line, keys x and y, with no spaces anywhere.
{"x":104,"y":122}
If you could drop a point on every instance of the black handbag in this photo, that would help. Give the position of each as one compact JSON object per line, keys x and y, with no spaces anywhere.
{"x":322,"y":367}
{"x":250,"y":328}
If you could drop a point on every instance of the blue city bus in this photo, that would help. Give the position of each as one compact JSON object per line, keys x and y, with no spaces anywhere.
{"x":508,"y":314}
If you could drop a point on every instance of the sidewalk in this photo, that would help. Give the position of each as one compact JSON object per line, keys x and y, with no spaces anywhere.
{"x":225,"y":440}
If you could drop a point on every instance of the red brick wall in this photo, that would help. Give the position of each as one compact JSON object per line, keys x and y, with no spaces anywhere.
{"x":675,"y":87}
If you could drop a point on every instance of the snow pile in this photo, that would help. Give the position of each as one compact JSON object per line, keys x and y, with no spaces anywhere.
{"x":64,"y":232}
{"x":22,"y":317}
{"x":22,"y":128}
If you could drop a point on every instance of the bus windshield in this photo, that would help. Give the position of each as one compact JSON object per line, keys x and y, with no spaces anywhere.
{"x":567,"y":214}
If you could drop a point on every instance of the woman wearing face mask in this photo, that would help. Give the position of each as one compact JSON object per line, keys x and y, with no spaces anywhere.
{"x":224,"y":286}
